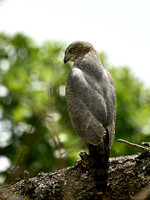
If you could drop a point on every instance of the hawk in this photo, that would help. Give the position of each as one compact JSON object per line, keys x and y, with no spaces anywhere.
{"x":91,"y":102}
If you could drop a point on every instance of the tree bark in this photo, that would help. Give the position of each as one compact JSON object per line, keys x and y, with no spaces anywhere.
{"x":128,"y":178}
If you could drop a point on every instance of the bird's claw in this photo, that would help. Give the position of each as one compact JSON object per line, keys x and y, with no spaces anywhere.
{"x":84,"y":161}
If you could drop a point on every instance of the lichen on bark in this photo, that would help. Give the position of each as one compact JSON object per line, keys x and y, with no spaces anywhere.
{"x":127,"y":177}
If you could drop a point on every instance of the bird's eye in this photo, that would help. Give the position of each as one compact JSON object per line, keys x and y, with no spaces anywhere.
{"x":71,"y":50}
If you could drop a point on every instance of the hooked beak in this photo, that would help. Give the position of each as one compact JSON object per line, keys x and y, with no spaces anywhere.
{"x":65,"y":60}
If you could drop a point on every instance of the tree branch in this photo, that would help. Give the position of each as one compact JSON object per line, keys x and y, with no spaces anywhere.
{"x":133,"y":144}
{"x":126,"y":177}
{"x":146,"y":144}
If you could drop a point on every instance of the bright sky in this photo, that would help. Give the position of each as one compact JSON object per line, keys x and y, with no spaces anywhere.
{"x":119,"y":28}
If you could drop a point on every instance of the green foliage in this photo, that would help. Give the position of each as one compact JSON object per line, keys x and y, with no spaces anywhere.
{"x":35,"y":130}
{"x":133,"y":101}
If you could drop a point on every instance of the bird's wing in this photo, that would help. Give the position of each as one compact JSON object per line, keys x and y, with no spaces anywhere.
{"x":86,"y":106}
{"x":111,"y":108}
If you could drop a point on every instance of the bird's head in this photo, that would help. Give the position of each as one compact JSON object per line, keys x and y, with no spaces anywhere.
{"x":77,"y":49}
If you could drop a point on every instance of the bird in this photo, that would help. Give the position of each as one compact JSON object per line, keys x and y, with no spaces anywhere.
{"x":91,"y":102}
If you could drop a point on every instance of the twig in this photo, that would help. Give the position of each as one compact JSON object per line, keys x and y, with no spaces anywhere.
{"x":146,"y":144}
{"x":132,"y":144}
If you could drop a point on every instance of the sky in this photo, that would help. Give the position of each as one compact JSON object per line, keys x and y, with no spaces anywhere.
{"x":120,"y":28}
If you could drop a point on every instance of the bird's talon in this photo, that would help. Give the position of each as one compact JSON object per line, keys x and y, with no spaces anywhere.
{"x":79,"y":161}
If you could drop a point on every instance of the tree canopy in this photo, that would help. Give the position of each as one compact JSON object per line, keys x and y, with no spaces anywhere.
{"x":35,"y":130}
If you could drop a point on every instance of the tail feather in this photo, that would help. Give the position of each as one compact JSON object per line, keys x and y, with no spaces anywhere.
{"x":99,"y":156}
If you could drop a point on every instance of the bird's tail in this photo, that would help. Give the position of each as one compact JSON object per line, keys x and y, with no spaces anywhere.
{"x":99,"y":156}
